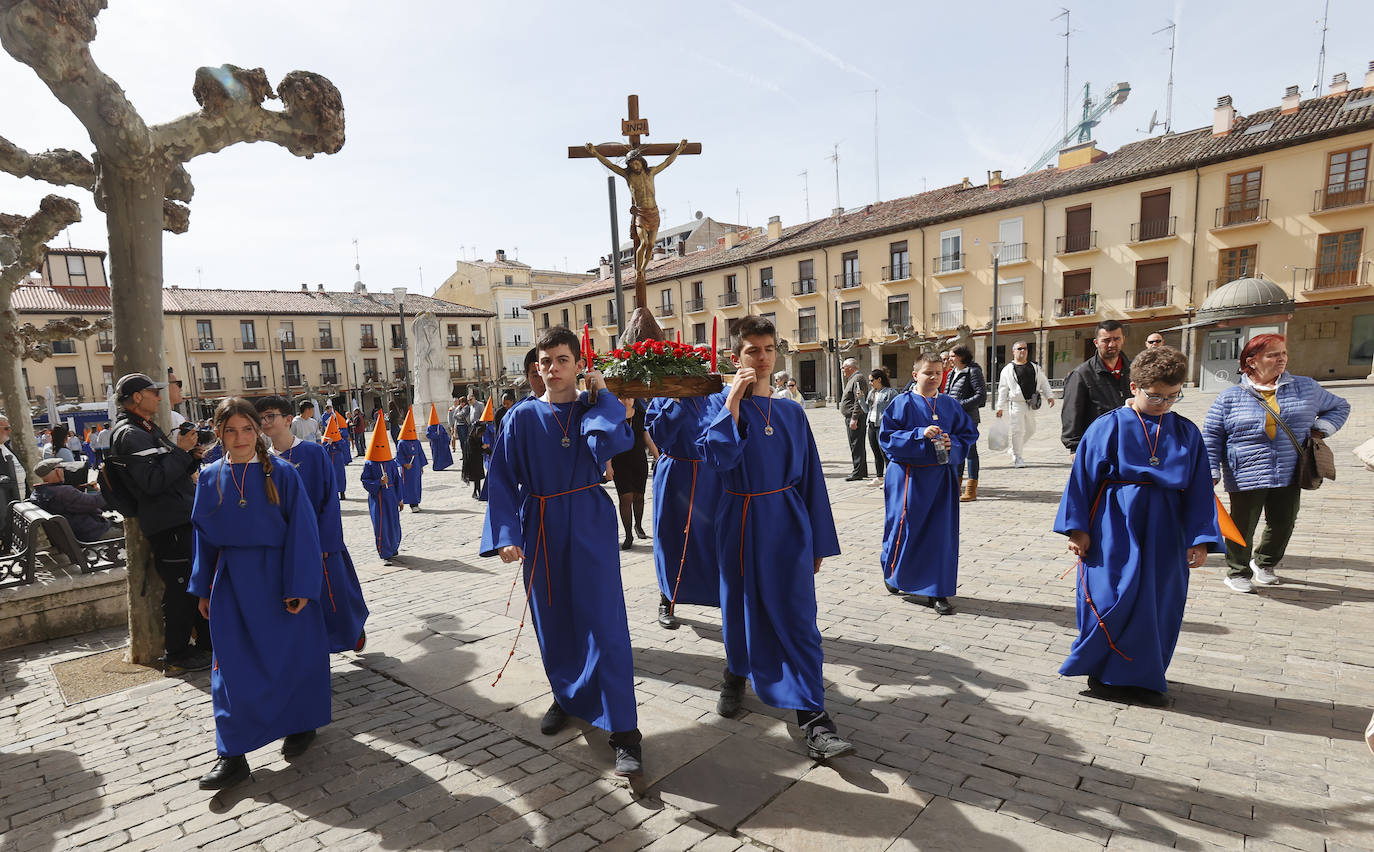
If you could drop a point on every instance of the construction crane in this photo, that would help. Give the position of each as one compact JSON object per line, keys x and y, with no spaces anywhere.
{"x":1092,"y":116}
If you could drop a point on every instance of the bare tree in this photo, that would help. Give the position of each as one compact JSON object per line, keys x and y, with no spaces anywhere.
{"x":138,"y":179}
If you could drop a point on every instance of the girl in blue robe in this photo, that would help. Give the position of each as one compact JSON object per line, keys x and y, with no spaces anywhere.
{"x":920,"y":552}
{"x":258,"y":574}
{"x":686,"y":494}
{"x":1144,"y":523}
{"x":345,"y":612}
{"x":411,"y":457}
{"x":382,"y":482}
{"x":547,"y":499}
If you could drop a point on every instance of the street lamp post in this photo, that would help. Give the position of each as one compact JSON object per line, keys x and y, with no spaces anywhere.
{"x":996,"y":311}
{"x":285,"y":376}
{"x":405,"y":352}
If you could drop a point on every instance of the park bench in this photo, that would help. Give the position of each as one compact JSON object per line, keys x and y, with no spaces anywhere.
{"x":27,"y":520}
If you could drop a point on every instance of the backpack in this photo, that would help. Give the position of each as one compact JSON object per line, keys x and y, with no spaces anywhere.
{"x":115,"y":491}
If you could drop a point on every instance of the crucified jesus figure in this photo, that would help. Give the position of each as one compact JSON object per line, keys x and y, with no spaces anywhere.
{"x":643,"y":205}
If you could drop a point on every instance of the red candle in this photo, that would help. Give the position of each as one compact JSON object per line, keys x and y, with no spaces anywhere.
{"x":679,"y":335}
{"x":587,"y":344}
{"x":715,"y":321}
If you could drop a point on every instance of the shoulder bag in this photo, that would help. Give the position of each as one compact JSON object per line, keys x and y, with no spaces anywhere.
{"x":1315,"y":459}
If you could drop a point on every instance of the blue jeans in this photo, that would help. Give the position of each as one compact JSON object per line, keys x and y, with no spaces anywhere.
{"x":972,"y":462}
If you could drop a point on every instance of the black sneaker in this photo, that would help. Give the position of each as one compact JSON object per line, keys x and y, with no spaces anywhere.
{"x":191,"y":660}
{"x":666,"y":619}
{"x":295,"y":744}
{"x":629,"y":761}
{"x":891,"y":589}
{"x":1149,"y":697}
{"x":823,"y":744}
{"x":554,"y":720}
{"x":731,"y":695}
{"x":942,"y":606}
{"x":227,"y":772}
{"x":1106,"y":691}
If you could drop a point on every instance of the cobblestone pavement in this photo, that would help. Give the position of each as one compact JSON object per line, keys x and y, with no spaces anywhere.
{"x":967,"y":738}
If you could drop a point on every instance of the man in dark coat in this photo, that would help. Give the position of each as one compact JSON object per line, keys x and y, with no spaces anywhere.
{"x":854,"y":410}
{"x":1098,"y":385}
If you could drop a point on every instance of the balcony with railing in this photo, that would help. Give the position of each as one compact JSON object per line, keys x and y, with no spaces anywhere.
{"x":371,"y":376}
{"x":1082,"y":305}
{"x":804,"y":287}
{"x":944,"y":264}
{"x":66,"y":346}
{"x":329,"y":378}
{"x":608,"y":319}
{"x":70,"y":391}
{"x":1335,"y":276}
{"x":104,"y":345}
{"x":809,"y":334}
{"x":212,"y":383}
{"x":665,"y":311}
{"x":898,"y":324}
{"x":367,"y":342}
{"x":295,"y":380}
{"x":1154,"y":229}
{"x":1076,"y":241}
{"x":325,"y":343}
{"x":460,"y":373}
{"x":1011,"y":313}
{"x":249,"y":345}
{"x":947,"y":319}
{"x":695,"y":306}
{"x":851,"y":328}
{"x":1011,"y":253}
{"x":208,"y":344}
{"x":252,"y":382}
{"x":453,"y":340}
{"x":481,"y":373}
{"x":479,"y":340}
{"x":1240,"y":213}
{"x":1339,"y":195}
{"x":728,"y":299}
{"x":399,"y":374}
{"x":1149,"y":299}
{"x":288,"y":342}
{"x":897,"y":272}
{"x":847,"y":280}
{"x":765,"y":293}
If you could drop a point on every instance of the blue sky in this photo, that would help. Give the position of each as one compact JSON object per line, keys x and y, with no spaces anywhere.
{"x":460,"y":114}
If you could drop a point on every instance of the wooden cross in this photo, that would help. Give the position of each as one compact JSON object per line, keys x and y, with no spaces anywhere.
{"x":633,"y":127}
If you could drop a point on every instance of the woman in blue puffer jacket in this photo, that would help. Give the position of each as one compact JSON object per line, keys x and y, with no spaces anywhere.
{"x":1252,"y":453}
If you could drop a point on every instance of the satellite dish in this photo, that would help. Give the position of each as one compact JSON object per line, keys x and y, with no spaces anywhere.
{"x":699,"y":214}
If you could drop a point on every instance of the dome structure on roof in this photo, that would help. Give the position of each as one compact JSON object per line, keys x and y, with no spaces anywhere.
{"x":1243,"y":298}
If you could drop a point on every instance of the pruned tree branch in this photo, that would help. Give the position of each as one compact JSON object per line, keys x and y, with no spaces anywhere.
{"x":59,"y":166}
{"x":23,"y":240}
{"x":231,"y":111}
{"x":36,"y":340}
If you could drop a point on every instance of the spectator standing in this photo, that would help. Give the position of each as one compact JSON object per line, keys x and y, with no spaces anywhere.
{"x":460,"y":419}
{"x":879,"y":396}
{"x":791,"y":392}
{"x":1098,"y":385}
{"x":852,"y":409}
{"x":306,"y":427}
{"x":1256,"y":458}
{"x":1020,"y":390}
{"x":355,"y":431}
{"x":968,"y":387}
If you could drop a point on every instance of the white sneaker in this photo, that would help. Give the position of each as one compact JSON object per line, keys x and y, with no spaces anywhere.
{"x":1239,"y":584}
{"x":1018,"y":462}
{"x":1263,"y":576}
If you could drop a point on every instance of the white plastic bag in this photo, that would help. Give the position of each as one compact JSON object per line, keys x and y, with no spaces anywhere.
{"x":999,"y":435}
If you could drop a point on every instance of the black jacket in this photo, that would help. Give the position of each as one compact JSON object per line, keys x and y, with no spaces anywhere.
{"x":970,"y":389}
{"x":1090,"y":391}
{"x":155,"y":470}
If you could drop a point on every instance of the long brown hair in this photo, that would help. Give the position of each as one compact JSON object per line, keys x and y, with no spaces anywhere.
{"x":237,"y":405}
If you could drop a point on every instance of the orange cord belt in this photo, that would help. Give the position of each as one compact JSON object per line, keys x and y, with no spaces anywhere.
{"x":687,"y":530}
{"x":744,"y":515}
{"x":539,"y":543}
{"x":1083,"y":575}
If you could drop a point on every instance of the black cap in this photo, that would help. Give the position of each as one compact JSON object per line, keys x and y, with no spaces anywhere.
{"x":131,"y":384}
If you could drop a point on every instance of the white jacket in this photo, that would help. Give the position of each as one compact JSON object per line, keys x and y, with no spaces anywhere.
{"x":1009,"y":389}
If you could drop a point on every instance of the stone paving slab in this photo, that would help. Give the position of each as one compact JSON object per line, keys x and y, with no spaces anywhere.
{"x":966,"y":736}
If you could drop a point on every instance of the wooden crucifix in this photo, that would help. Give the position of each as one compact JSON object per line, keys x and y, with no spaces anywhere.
{"x":643,"y":204}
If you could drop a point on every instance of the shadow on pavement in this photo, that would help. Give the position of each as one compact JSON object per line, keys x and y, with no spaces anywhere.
{"x":1064,"y":616}
{"x":35,"y":780}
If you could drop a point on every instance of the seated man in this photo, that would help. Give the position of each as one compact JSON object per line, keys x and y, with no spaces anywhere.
{"x":82,"y":509}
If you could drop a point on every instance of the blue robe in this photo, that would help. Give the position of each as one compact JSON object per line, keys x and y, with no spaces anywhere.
{"x":571,"y":543}
{"x":347,"y":446}
{"x":1142,"y":519}
{"x":214,"y":454}
{"x":767,"y":563}
{"x":412,"y":460}
{"x":920,"y":553}
{"x":344,"y":609}
{"x":685,"y":557}
{"x":384,"y":505}
{"x":271,"y":671}
{"x":438,"y":446}
{"x":337,"y":452}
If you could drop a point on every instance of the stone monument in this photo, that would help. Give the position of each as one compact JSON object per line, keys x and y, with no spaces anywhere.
{"x":430,"y":372}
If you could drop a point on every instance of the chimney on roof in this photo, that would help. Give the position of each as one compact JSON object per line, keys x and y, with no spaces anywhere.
{"x":995,"y":179}
{"x":1369,"y":78}
{"x":1292,"y":97}
{"x":838,"y":211}
{"x":1079,"y":154}
{"x":500,"y":255}
{"x":731,"y":239}
{"x":605,"y":268}
{"x":774,"y":227}
{"x":319,"y":288}
{"x":1340,"y":84}
{"x":359,"y":287}
{"x":304,"y":287}
{"x":682,"y":247}
{"x":1224,"y":117}
{"x":967,"y":184}
{"x":660,"y":251}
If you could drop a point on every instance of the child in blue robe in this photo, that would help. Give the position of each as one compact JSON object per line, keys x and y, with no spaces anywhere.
{"x":1139,"y":511}
{"x":547,"y":509}
{"x":259,"y":577}
{"x":686,"y":494}
{"x":773,"y":528}
{"x":438,"y":441}
{"x":382,"y":481}
{"x":920,"y":552}
{"x":411,"y":458}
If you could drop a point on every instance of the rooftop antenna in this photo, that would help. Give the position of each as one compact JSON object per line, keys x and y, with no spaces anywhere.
{"x":421,"y":291}
{"x":200,"y":281}
{"x":357,"y":264}
{"x":1321,"y":55}
{"x":1064,"y":13}
{"x":738,"y":216}
{"x":806,"y":192}
{"x":835,"y":158}
{"x":1172,"y":29}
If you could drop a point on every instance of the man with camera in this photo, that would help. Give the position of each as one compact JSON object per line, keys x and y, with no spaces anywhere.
{"x":154,"y":471}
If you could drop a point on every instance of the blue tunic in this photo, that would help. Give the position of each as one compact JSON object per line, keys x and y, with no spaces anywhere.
{"x":337,"y":452}
{"x":772,"y":522}
{"x":214,"y":454}
{"x":547,"y":499}
{"x":348,"y":446}
{"x":384,"y":505}
{"x":438,"y":446}
{"x":412,"y":460}
{"x":920,"y":553}
{"x":686,"y":493}
{"x":344,"y":609}
{"x":1142,"y":519}
{"x":271,"y":671}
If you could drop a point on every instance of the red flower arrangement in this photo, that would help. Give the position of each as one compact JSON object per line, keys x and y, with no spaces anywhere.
{"x":651,"y":361}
